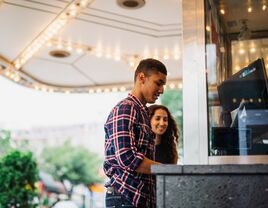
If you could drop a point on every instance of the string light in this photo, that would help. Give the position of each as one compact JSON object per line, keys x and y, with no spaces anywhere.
{"x":106,"y":90}
{"x":114,"y":89}
{"x":91,"y":91}
{"x":116,"y":54}
{"x":253,"y":50}
{"x":72,"y":10}
{"x":8,"y":71}
{"x":176,"y":54}
{"x":123,"y":89}
{"x":237,"y":68}
{"x":241,"y":51}
{"x":172,"y":85}
{"x":146,"y":53}
{"x":155,"y":56}
{"x":166,"y":55}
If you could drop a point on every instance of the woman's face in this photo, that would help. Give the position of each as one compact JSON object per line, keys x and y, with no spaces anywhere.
{"x":159,"y":122}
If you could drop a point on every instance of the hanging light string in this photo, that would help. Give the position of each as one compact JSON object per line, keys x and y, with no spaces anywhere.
{"x":20,"y":77}
{"x":68,"y":13}
{"x":115,"y":54}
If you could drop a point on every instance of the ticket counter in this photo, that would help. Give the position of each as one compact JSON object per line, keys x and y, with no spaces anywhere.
{"x":212,"y":186}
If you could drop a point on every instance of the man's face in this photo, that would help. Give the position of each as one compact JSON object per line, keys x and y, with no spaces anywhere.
{"x":153,"y":86}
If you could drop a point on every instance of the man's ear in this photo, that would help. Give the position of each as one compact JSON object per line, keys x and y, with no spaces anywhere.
{"x":141,"y":77}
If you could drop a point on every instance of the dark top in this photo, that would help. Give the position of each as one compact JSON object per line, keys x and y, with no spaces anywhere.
{"x":162,"y":156}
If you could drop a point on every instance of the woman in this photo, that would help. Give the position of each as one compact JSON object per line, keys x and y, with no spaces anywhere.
{"x":166,"y":134}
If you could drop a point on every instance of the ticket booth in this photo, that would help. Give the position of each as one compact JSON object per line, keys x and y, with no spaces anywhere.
{"x":225,"y":147}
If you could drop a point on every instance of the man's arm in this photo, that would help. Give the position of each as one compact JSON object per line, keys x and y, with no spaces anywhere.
{"x":124,"y":141}
{"x":145,"y":166}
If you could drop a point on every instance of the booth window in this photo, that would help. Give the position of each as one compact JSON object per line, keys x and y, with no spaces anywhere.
{"x":237,"y":61}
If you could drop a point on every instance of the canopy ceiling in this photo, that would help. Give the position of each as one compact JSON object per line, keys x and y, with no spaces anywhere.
{"x":102,"y":42}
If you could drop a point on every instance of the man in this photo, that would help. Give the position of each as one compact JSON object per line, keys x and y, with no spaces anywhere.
{"x":129,"y":142}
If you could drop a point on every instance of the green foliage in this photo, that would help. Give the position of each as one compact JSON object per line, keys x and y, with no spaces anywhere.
{"x":76,"y":164}
{"x":5,"y":137}
{"x":18,"y":174}
{"x":172,"y":99}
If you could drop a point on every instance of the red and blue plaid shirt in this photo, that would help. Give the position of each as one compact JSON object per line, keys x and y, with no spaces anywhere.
{"x":128,"y":138}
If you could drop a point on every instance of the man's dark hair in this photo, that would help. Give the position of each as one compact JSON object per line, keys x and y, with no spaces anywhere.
{"x":148,"y":66}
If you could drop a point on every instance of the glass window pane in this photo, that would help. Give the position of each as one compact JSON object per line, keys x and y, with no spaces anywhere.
{"x":237,"y":63}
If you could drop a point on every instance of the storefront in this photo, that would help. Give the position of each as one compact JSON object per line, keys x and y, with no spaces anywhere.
{"x":225,"y":52}
{"x":225,"y":89}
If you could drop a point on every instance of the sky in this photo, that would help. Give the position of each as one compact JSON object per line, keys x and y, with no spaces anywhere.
{"x":24,"y":108}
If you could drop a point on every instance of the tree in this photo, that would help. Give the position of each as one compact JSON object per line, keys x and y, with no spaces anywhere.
{"x":18,"y":174}
{"x":172,"y":99}
{"x":7,"y":145}
{"x":5,"y":137}
{"x":75,"y":164}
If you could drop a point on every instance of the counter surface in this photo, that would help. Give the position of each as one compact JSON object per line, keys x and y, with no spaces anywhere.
{"x":210,"y":186}
{"x":209,"y":169}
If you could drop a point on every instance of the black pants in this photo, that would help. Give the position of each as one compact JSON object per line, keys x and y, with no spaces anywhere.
{"x":117,"y":200}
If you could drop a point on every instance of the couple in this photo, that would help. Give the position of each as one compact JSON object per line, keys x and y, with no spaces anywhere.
{"x":130,"y":143}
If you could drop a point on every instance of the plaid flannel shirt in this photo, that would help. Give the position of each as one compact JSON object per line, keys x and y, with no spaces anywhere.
{"x":128,"y":138}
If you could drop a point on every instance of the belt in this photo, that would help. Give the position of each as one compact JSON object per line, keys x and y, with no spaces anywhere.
{"x":111,"y":190}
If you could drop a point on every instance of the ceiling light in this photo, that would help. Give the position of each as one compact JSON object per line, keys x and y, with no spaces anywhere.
{"x":222,"y":49}
{"x":131,"y":4}
{"x":59,"y":53}
{"x":250,"y":9}
{"x":241,"y":51}
{"x":237,"y":68}
{"x":264,"y":7}
{"x":253,"y":50}
{"x":222,"y":11}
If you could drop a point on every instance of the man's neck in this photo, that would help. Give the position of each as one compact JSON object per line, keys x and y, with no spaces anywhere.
{"x":138,"y":95}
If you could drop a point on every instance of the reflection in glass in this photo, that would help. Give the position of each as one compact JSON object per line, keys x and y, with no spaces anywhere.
{"x":236,"y":58}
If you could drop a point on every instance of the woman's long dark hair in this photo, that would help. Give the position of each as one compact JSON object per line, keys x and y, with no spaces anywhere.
{"x":170,"y":139}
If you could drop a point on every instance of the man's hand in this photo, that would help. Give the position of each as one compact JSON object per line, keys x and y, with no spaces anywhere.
{"x":145,"y":166}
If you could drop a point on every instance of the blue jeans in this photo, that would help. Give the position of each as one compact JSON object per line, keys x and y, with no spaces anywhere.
{"x":117,"y":200}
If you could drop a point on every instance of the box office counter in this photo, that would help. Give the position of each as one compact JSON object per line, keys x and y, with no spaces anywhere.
{"x":211,"y":185}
